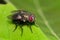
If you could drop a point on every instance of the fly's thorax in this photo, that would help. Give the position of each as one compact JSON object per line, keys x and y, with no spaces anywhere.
{"x":25,"y":18}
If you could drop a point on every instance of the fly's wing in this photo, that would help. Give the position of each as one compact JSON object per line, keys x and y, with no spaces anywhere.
{"x":9,"y":16}
{"x":2,"y":2}
{"x":20,"y":12}
{"x":15,"y":11}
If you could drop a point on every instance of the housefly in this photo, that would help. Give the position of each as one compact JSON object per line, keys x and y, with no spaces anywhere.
{"x":22,"y":17}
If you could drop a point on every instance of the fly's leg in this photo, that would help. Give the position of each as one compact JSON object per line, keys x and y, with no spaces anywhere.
{"x":36,"y":24}
{"x":15,"y":28}
{"x":21,"y":29}
{"x":30,"y":28}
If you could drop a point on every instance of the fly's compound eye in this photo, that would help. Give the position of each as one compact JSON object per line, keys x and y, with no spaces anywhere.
{"x":31,"y":18}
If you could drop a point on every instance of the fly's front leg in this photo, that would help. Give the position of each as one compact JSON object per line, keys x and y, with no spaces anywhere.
{"x":29,"y":25}
{"x":30,"y":28}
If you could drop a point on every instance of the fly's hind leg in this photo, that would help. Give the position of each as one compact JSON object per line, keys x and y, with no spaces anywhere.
{"x":15,"y":27}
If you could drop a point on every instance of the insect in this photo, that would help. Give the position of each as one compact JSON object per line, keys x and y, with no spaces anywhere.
{"x":2,"y":2}
{"x":22,"y":17}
